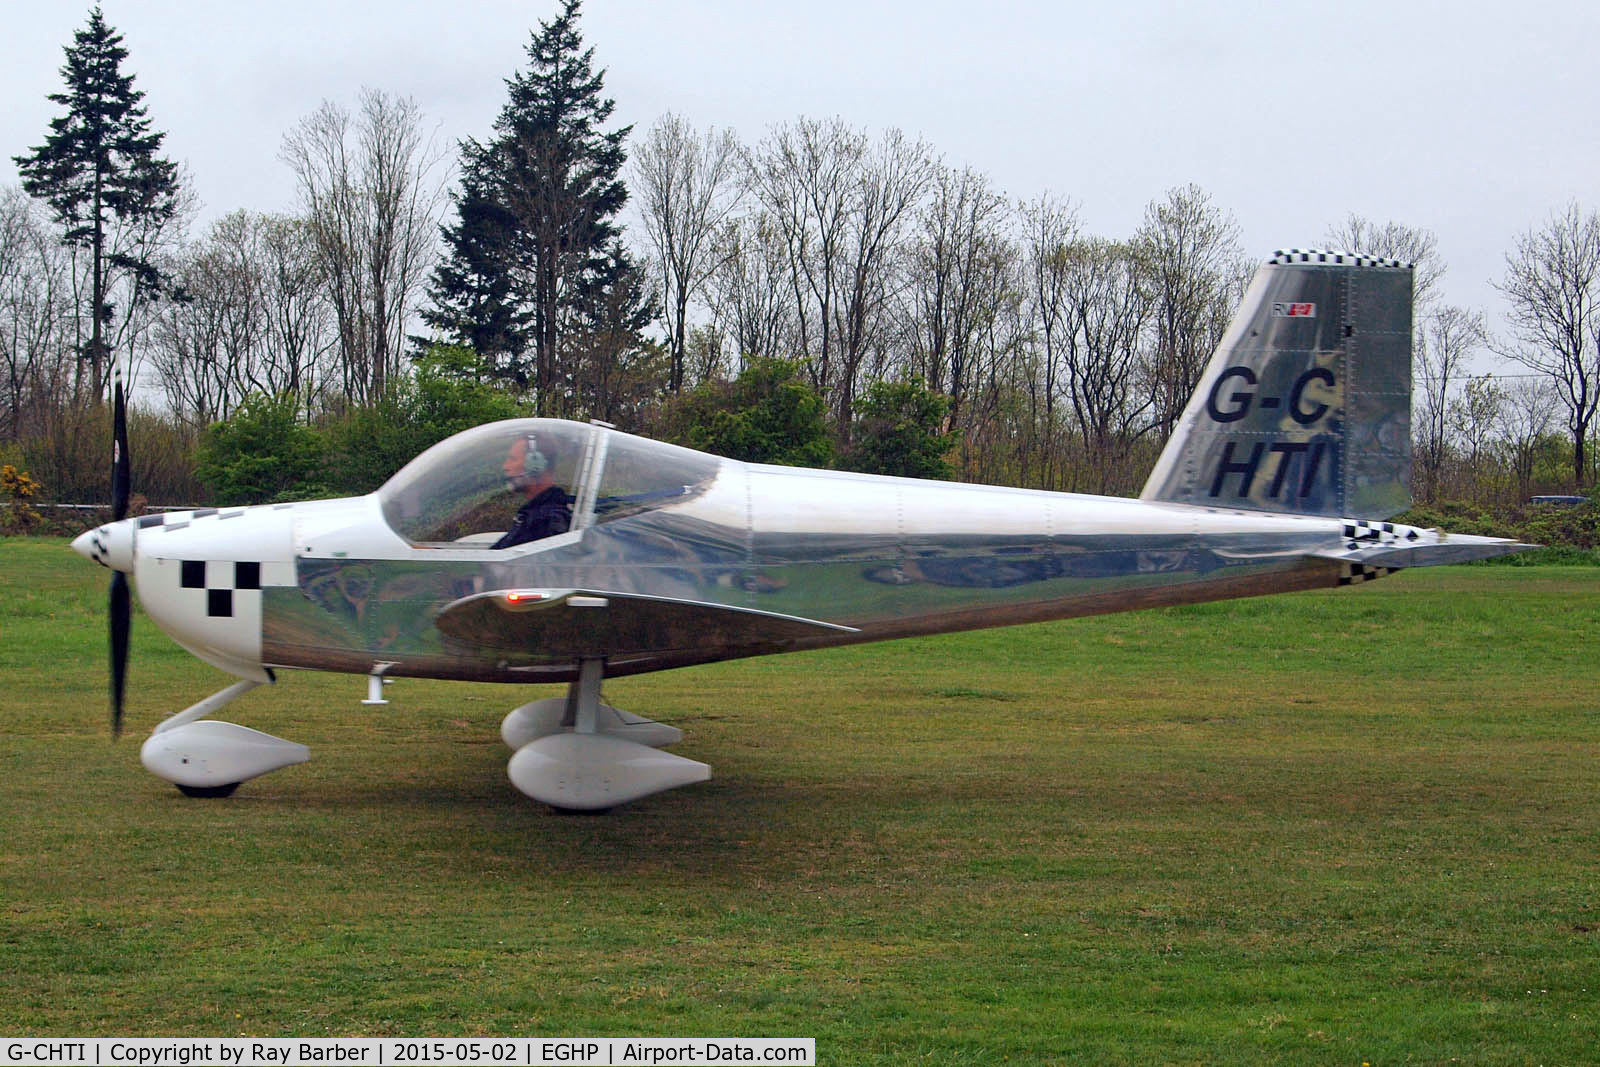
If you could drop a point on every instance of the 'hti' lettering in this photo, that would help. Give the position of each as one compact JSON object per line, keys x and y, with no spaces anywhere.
{"x":1309,"y":453}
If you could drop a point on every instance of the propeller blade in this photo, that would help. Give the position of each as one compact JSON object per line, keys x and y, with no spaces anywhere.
{"x":121,"y":618}
{"x":120,"y":475}
{"x":121,"y":612}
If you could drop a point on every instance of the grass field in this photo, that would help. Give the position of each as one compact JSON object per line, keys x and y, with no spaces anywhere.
{"x":1342,"y":827}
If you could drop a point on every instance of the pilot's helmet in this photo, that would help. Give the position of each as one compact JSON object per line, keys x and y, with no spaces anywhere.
{"x":527,"y":461}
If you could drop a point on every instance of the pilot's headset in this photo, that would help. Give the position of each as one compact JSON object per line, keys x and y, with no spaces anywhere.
{"x":534,"y":463}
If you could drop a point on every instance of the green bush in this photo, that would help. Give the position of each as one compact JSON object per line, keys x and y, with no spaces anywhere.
{"x":447,"y":391}
{"x":769,"y":414}
{"x":262,"y":454}
{"x":1457,"y":516}
{"x":1557,"y":526}
{"x":898,"y":431}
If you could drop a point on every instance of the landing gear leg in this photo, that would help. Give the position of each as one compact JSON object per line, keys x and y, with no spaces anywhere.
{"x":583,"y":696}
{"x":582,"y":715}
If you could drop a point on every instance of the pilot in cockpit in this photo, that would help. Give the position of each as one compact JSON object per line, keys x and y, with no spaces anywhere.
{"x":548,"y":510}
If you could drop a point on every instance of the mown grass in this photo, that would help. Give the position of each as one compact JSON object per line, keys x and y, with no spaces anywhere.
{"x":1335,"y":827}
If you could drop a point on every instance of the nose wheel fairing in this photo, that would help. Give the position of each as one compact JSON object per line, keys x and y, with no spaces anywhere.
{"x":210,"y":758}
{"x":202,"y":757}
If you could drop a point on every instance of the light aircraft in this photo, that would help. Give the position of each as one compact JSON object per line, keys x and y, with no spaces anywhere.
{"x":1292,"y":453}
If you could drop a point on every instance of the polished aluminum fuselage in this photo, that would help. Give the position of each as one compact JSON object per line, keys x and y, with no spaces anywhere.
{"x":882,"y":557}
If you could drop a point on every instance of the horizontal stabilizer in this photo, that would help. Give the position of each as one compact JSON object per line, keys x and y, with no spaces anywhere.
{"x":583,"y":623}
{"x":1392,"y":546}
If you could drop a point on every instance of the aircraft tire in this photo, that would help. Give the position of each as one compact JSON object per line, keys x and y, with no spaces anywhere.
{"x":208,"y":790}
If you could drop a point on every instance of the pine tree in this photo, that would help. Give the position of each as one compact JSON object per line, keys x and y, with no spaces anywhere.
{"x":474,"y":300}
{"x":536,"y":245}
{"x":98,"y":168}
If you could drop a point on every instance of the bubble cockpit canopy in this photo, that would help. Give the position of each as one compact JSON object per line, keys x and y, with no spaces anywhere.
{"x":465,"y":491}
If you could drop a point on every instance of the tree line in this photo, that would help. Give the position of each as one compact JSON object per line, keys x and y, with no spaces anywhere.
{"x":825,"y":294}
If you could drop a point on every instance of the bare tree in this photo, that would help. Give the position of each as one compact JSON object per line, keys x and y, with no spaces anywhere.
{"x":372,"y":189}
{"x":1552,"y":282}
{"x":1191,"y":253}
{"x":960,"y":266}
{"x":705,"y":355}
{"x":192,"y":347}
{"x":208,"y":341}
{"x":38,"y":319}
{"x":688,"y":185}
{"x":299,"y":326}
{"x":1446,"y":341}
{"x":1525,"y":420}
{"x":989,"y":425}
{"x":893,"y":175}
{"x":747,"y":293}
{"x":1394,"y":240}
{"x":1474,"y":415}
{"x":1110,"y":311}
{"x":252,"y":318}
{"x":1049,"y":228}
{"x":804,"y":175}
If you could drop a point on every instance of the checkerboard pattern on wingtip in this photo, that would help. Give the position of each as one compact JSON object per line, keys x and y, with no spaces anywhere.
{"x":1356,"y":573}
{"x":1358,"y":533}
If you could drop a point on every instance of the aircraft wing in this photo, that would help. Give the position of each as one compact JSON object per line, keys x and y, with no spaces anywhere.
{"x":584,"y":623}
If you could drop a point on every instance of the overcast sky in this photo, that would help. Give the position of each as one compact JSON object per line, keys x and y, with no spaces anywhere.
{"x":1472,"y":119}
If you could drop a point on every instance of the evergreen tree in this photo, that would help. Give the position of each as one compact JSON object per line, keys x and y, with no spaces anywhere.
{"x":535,"y":248}
{"x":98,"y":168}
{"x":474,"y":300}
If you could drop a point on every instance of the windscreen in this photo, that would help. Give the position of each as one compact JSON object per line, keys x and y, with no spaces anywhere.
{"x":642,"y":475}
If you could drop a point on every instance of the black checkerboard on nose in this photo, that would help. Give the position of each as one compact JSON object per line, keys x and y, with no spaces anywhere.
{"x":220,"y":579}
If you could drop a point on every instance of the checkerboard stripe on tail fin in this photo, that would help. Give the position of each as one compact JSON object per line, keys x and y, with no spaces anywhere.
{"x":1305,"y":407}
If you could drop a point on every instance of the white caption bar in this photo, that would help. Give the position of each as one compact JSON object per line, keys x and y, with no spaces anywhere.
{"x":407,"y":1052}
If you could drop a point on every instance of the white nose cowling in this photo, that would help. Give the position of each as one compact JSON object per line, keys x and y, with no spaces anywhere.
{"x":110,"y":545}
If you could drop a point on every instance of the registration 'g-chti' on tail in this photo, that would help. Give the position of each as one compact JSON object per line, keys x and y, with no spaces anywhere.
{"x":1305,"y":409}
{"x":1306,"y":405}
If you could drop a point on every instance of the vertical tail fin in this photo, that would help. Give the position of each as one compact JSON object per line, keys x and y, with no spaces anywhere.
{"x":1306,"y":405}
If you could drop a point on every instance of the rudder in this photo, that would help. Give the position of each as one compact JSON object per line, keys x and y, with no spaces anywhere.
{"x":1306,"y":405}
